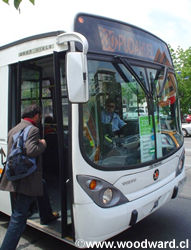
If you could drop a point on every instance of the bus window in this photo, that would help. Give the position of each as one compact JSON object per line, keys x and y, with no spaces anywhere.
{"x":30,"y":86}
{"x":166,"y":113}
{"x":104,"y":145}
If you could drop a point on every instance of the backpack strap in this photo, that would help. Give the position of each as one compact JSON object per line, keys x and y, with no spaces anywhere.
{"x":15,"y":136}
{"x":15,"y":139}
{"x":25,"y":132}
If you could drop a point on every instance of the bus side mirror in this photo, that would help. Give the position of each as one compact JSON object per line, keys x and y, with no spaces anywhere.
{"x":77,"y":77}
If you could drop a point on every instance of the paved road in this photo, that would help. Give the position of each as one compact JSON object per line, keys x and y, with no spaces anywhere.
{"x":171,"y":223}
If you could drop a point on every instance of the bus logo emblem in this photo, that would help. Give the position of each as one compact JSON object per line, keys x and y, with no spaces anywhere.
{"x":156,"y":175}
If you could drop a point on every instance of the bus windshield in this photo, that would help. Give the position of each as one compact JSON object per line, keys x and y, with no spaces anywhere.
{"x":131,"y":117}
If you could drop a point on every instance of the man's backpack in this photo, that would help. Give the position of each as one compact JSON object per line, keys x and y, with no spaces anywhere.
{"x":18,"y":164}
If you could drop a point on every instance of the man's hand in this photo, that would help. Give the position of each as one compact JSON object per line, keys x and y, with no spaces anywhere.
{"x":43,"y":142}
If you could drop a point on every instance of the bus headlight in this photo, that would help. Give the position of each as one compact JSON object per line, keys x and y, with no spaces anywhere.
{"x":180,"y":164}
{"x":107,"y":196}
{"x":103,"y":193}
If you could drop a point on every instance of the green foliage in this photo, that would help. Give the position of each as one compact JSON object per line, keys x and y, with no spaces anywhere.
{"x":17,"y":2}
{"x":182,"y":64}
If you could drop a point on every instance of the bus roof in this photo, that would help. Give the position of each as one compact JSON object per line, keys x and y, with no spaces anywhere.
{"x":31,"y":38}
{"x":30,"y":47}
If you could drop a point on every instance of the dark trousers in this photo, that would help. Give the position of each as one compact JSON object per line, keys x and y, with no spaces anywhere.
{"x":17,"y":222}
{"x":44,"y":207}
{"x":21,"y":207}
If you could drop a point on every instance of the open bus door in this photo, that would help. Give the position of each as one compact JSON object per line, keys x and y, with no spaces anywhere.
{"x":39,"y":81}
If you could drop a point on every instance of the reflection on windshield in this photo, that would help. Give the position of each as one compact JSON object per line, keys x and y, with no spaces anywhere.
{"x":122,"y":126}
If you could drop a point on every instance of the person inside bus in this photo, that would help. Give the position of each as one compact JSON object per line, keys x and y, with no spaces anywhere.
{"x":111,"y":118}
{"x":49,"y":125}
{"x":26,"y":190}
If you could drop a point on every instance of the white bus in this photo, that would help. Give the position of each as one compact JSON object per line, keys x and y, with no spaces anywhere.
{"x":101,"y":181}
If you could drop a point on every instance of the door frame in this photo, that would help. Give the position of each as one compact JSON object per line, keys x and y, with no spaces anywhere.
{"x":65,"y":170}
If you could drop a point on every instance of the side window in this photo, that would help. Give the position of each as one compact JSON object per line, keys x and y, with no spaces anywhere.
{"x":166,"y":112}
{"x":30,"y":87}
{"x":36,"y":90}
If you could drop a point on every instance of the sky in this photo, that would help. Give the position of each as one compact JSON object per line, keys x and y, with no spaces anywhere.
{"x":168,"y":19}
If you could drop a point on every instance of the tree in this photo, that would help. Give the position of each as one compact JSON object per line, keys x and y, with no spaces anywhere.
{"x":17,"y":2}
{"x":182,"y":64}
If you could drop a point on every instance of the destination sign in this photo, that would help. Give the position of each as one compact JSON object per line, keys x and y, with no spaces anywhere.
{"x":126,"y":42}
{"x":109,"y":36}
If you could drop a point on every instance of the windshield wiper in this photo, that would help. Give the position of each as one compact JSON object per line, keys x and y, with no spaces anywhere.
{"x":120,"y":71}
{"x":131,"y":70}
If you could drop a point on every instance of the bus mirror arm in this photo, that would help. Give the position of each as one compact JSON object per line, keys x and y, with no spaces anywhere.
{"x":76,"y":67}
{"x":73,"y":37}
